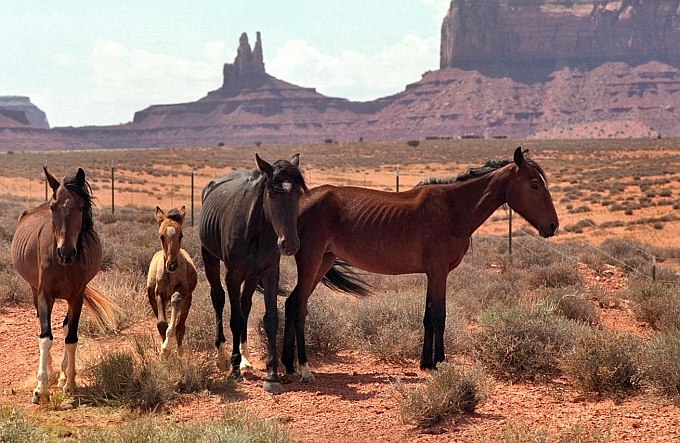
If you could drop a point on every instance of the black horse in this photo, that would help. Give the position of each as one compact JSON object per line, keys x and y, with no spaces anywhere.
{"x":247,"y":221}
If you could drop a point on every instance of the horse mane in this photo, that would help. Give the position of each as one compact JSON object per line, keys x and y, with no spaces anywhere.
{"x":83,"y":190}
{"x":472,"y":173}
{"x":284,"y":170}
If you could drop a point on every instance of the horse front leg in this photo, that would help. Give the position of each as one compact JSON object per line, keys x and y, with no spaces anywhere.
{"x":434,"y":321}
{"x":71,"y":342}
{"x":170,"y":339}
{"x":246,"y":304}
{"x":44,"y":308}
{"x":272,"y":383}
{"x":184,"y":307}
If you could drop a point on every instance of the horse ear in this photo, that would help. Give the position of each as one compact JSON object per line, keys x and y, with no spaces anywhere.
{"x":296,"y":160}
{"x":160,"y":215}
{"x":182,"y":212}
{"x":80,"y":177}
{"x":53,"y":182}
{"x":263,"y":166}
{"x":519,"y":156}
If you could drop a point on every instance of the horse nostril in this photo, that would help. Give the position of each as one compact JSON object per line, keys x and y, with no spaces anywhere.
{"x":172,"y":266}
{"x":553,"y":227}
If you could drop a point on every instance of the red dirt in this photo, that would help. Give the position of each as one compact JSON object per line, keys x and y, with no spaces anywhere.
{"x":353,"y":398}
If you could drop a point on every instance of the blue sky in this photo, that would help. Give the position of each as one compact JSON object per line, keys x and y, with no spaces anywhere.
{"x":97,"y":62}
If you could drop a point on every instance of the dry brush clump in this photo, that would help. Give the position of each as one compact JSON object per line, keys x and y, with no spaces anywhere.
{"x":657,"y":304}
{"x":661,"y":367}
{"x":523,"y":342}
{"x":139,"y":377}
{"x":605,"y":362}
{"x":451,"y":389}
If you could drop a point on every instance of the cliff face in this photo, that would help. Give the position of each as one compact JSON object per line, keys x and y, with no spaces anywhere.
{"x":552,"y":33}
{"x":17,"y":111}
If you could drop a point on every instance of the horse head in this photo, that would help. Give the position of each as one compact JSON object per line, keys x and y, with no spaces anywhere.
{"x":170,"y":233}
{"x":528,"y":195}
{"x":71,"y":208}
{"x":281,"y":200}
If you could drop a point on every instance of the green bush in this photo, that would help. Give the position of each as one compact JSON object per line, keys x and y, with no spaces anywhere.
{"x":451,"y":390}
{"x":523,"y":342}
{"x":572,"y":303}
{"x":603,"y":361}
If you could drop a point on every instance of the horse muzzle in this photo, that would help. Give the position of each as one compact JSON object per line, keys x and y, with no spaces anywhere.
{"x":288,"y":247}
{"x":171,"y":266}
{"x":549,"y":230}
{"x":66,"y":255}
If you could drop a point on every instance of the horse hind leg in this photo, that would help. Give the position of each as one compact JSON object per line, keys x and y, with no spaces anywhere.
{"x":64,"y":361}
{"x":246,"y":304}
{"x":71,"y":342}
{"x":211,"y":265}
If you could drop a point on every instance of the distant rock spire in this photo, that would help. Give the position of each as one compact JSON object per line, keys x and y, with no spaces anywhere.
{"x":247,"y":70}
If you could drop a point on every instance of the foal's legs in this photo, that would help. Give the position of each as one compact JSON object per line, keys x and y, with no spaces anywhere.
{"x":217,"y":296}
{"x":246,"y":304}
{"x":175,"y":302}
{"x":185,"y":304}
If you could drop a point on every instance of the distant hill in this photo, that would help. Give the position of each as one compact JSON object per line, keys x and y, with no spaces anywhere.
{"x":17,"y":111}
{"x":509,"y":68}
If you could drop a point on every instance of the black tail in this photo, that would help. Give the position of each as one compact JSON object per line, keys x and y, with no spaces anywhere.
{"x":343,"y":278}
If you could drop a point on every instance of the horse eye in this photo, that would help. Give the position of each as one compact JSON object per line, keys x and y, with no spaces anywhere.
{"x":534,"y":185}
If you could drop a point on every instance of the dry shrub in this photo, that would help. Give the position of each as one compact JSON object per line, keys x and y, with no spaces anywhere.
{"x":656,"y":303}
{"x":555,"y":275}
{"x":572,"y":303}
{"x":629,"y":254}
{"x":603,"y":361}
{"x":517,"y":431}
{"x":523,"y":342}
{"x":450,"y":390}
{"x":141,"y":378}
{"x":662,"y":370}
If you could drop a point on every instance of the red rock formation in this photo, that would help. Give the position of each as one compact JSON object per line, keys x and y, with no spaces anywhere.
{"x":550,"y":33}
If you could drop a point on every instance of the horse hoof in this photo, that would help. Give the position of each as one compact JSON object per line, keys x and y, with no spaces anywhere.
{"x":36,"y":398}
{"x":287,"y":378}
{"x":222,"y":364}
{"x":245,"y":365}
{"x":307,"y":379}
{"x":273,"y":387}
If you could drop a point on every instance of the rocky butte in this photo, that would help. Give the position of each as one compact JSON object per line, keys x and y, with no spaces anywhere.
{"x":508,"y":68}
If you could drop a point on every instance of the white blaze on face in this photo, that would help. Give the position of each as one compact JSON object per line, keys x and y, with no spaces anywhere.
{"x":170,"y":231}
{"x":287,"y":186}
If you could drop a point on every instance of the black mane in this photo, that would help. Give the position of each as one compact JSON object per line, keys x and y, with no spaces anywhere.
{"x":84,"y":191}
{"x":472,"y":173}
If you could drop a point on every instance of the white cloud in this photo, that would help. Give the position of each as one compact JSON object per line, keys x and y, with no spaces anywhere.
{"x":352,"y":74}
{"x":64,"y":59}
{"x":120,"y":72}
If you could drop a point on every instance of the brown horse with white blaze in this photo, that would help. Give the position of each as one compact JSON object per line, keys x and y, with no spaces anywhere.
{"x":423,"y":230}
{"x":57,"y":251}
{"x":172,"y":279}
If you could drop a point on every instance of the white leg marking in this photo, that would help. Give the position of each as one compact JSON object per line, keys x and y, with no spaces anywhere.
{"x":246,"y":365}
{"x":222,"y":357}
{"x":306,"y":373}
{"x":42,"y":389}
{"x":70,"y":386}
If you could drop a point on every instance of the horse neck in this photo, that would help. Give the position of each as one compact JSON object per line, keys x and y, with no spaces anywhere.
{"x":479,"y":198}
{"x":257,"y":222}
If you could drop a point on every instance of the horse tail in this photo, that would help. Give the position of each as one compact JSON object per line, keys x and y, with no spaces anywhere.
{"x":341,"y":277}
{"x":104,"y":308}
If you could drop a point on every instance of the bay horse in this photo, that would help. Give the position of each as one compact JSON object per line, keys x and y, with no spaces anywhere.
{"x":423,"y":230}
{"x":247,"y":221}
{"x":172,"y":278}
{"x":57,"y":251}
